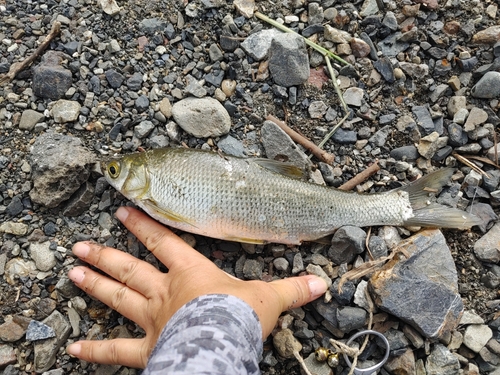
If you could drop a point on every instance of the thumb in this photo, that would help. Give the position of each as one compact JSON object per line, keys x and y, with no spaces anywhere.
{"x":297,"y":291}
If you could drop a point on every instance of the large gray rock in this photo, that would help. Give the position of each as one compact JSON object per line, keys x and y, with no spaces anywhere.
{"x":46,"y":350}
{"x":60,"y":164}
{"x":202,"y":117}
{"x":289,"y":61}
{"x":421,"y":290}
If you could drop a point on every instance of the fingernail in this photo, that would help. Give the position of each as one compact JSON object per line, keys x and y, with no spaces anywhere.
{"x":81,"y":250}
{"x":76,"y":275}
{"x":74,"y":349}
{"x":121,"y":214}
{"x":317,"y":286}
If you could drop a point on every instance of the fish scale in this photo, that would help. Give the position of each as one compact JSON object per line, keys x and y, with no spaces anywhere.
{"x":251,"y":200}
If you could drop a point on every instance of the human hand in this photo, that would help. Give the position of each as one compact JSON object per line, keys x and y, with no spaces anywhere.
{"x":140,"y":292}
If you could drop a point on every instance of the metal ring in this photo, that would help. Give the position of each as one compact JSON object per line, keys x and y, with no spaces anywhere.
{"x":372,"y":369}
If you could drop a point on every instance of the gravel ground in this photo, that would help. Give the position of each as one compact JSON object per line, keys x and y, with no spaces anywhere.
{"x":424,"y":86}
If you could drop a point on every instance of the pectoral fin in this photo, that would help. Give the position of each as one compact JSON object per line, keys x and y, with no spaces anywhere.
{"x":168,"y":215}
{"x":285,"y":169}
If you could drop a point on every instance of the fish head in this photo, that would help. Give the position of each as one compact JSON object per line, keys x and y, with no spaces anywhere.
{"x":128,"y":175}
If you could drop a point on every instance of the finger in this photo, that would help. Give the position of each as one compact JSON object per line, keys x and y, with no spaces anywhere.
{"x":297,"y":291}
{"x":125,"y":352}
{"x":169,"y":248}
{"x":116,"y":295}
{"x":121,"y":266}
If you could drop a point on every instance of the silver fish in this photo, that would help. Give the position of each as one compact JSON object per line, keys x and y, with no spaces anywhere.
{"x":261,"y":200}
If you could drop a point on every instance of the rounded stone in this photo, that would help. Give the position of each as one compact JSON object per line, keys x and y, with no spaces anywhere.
{"x":488,"y":87}
{"x":202,"y":117}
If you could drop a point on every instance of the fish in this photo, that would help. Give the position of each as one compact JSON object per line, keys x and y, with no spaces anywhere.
{"x":258,"y":200}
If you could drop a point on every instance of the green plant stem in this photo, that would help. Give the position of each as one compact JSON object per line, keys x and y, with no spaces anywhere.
{"x":336,"y":85}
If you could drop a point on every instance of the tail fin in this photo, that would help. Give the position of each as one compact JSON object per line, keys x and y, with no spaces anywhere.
{"x":429,"y":214}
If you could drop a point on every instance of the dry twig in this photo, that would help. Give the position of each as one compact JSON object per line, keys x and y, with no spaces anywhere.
{"x":20,"y":66}
{"x":319,"y":153}
{"x":468,"y":163}
{"x":369,"y":267}
{"x":360,"y":177}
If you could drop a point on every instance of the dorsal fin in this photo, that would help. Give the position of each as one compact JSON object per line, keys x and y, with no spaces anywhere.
{"x":285,"y":169}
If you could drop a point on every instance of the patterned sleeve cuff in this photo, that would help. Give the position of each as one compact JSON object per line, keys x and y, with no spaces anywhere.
{"x":212,"y":334}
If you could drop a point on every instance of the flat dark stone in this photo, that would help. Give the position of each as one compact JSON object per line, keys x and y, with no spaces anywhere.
{"x":423,"y":289}
{"x":311,"y":30}
{"x":385,"y":68}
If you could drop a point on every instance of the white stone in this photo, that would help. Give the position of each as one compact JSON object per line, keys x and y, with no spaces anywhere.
{"x":476,"y":336}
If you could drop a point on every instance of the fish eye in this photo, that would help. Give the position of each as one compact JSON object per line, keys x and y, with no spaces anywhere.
{"x":114,"y":169}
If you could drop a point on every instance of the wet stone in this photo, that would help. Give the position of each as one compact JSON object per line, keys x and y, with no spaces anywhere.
{"x":231,"y":146}
{"x":50,"y":79}
{"x":427,"y":282}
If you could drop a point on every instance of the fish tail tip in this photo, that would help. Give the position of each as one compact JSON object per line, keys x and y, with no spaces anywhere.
{"x":435,"y":215}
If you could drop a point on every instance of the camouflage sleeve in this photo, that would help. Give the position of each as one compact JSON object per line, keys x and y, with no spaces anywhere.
{"x":212,"y":334}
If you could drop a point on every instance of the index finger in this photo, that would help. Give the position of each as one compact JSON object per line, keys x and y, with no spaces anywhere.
{"x":169,"y":248}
